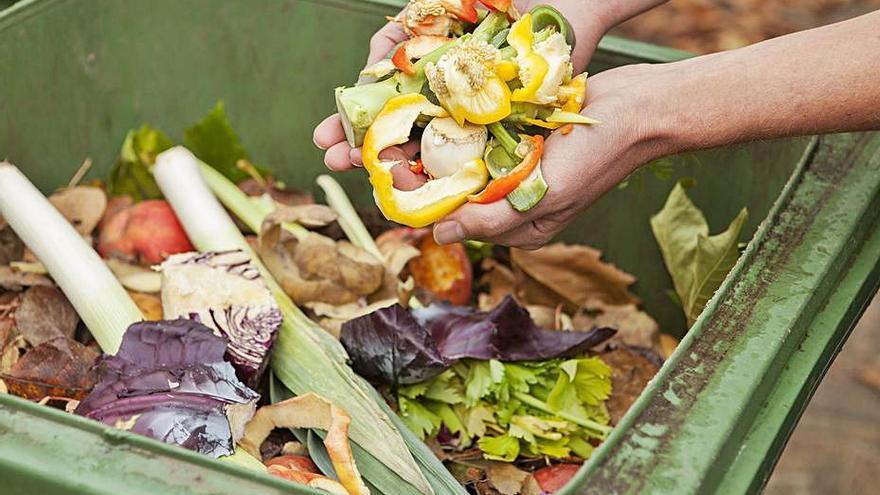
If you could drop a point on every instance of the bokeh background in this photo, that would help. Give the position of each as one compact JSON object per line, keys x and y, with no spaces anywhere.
{"x":836,"y":446}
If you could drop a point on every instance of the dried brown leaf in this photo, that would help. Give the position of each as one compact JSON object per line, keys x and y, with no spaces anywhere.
{"x":282,"y":195}
{"x":666,"y":345}
{"x":397,"y":253}
{"x":14,"y":280}
{"x":630,"y":373}
{"x":45,"y":314}
{"x":12,"y":352}
{"x":11,"y":247}
{"x":331,"y":317}
{"x":60,"y":367}
{"x":313,"y":268}
{"x":634,"y":327}
{"x":500,"y":282}
{"x":572,"y":274}
{"x":506,"y":478}
{"x":82,"y":206}
{"x":305,"y":215}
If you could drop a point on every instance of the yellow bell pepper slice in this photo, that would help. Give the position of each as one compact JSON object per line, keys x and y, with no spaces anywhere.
{"x":573,"y":94}
{"x":532,"y":67}
{"x":437,"y":197}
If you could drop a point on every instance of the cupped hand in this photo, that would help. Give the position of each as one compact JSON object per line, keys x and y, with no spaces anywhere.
{"x":578,"y":167}
{"x":587,"y":18}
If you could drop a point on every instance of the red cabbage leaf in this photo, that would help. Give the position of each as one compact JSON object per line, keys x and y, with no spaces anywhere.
{"x":398,"y":347}
{"x":169,"y":381}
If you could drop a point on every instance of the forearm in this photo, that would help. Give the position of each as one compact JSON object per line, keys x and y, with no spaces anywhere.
{"x":818,"y":81}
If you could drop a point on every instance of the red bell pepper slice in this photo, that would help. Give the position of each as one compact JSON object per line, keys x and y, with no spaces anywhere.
{"x":463,"y":10}
{"x":416,"y":47}
{"x":497,"y":5}
{"x":504,"y":185}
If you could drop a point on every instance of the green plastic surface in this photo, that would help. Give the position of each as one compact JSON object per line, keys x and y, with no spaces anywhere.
{"x":78,"y":75}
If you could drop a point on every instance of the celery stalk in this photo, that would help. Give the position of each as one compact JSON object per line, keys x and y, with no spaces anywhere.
{"x":98,"y":297}
{"x":501,"y":159}
{"x":305,"y":357}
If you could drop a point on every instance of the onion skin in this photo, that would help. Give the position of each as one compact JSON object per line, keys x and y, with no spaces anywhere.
{"x":446,"y":146}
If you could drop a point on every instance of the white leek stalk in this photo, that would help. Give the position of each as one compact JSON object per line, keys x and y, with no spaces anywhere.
{"x":305,"y":357}
{"x":99,"y":299}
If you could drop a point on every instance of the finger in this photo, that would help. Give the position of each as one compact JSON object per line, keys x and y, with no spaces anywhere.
{"x":384,"y":41}
{"x":478,"y":222}
{"x":329,"y":132}
{"x":337,"y":157}
{"x":405,"y":179}
{"x":527,"y":236}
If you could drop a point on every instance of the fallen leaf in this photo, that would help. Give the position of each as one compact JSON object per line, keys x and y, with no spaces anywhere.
{"x":397,"y":249}
{"x":331,"y":317}
{"x":634,"y":327}
{"x":309,"y":215}
{"x":149,"y":304}
{"x":135,"y":277}
{"x":499,"y":280}
{"x":11,"y":247}
{"x":59,"y":367}
{"x":3,"y":389}
{"x":630,"y":373}
{"x":697,"y":262}
{"x":82,"y":206}
{"x":14,"y":280}
{"x":45,"y":314}
{"x":869,"y":375}
{"x":281,"y":194}
{"x":506,"y":478}
{"x":572,"y":274}
{"x":313,"y":268}
{"x":12,"y":352}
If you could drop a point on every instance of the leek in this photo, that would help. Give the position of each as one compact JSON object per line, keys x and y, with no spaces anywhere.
{"x":348,"y":219}
{"x":98,"y":297}
{"x":305,"y":357}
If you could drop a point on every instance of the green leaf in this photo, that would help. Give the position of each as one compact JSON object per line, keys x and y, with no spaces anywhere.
{"x":418,"y":418}
{"x":443,"y":388}
{"x":214,"y":142}
{"x":478,"y":381}
{"x":697,"y":262}
{"x":131,"y":174}
{"x":448,"y":417}
{"x":592,"y":381}
{"x":501,"y":448}
{"x":476,"y":418}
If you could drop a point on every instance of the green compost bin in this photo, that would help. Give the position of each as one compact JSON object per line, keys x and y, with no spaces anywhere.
{"x":76,"y":75}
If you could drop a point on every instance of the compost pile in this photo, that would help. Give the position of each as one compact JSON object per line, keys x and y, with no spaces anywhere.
{"x":326,"y":345}
{"x":511,"y":365}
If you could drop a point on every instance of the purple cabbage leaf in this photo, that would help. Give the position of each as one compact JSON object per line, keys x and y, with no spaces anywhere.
{"x":399,"y":347}
{"x":169,"y":381}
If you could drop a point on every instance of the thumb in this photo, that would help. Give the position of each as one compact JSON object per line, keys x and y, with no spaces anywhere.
{"x":384,"y":41}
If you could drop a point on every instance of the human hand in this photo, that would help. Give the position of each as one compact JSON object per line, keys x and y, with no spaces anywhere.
{"x":589,"y":19}
{"x":578,"y":168}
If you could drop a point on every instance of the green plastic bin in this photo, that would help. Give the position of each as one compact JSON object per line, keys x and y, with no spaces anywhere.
{"x":76,"y":75}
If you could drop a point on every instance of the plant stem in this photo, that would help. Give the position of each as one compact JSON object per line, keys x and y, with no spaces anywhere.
{"x":541,"y":405}
{"x":508,"y":142}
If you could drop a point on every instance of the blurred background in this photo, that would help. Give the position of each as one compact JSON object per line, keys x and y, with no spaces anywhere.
{"x":836,"y":446}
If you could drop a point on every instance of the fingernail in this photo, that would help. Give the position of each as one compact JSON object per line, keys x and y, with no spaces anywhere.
{"x":315,"y":141}
{"x":448,"y":232}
